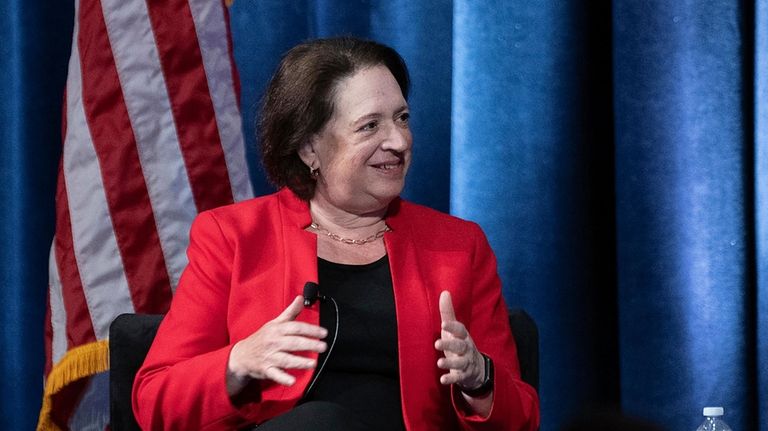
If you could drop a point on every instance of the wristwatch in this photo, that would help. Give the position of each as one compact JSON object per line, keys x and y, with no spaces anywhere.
{"x":487,"y":385}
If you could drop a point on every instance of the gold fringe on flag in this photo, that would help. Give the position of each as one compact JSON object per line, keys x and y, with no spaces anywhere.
{"x":80,"y":362}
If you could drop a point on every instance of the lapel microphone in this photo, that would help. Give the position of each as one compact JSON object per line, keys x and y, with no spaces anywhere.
{"x":311,"y":293}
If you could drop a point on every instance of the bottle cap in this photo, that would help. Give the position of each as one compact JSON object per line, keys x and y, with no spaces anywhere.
{"x":713,"y":411}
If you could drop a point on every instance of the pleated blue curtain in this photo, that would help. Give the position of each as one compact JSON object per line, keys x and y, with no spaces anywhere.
{"x":760,"y":139}
{"x":685,"y":207}
{"x":615,"y":153}
{"x":34,"y":48}
{"x":528,"y":153}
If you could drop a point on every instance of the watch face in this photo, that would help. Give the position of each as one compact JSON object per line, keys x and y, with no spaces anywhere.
{"x":488,"y":371}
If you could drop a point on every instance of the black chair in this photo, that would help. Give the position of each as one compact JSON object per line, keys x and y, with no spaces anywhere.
{"x":526,"y":335}
{"x":130,"y":336}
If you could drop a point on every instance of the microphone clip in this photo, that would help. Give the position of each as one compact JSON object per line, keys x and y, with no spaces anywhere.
{"x":311,"y":293}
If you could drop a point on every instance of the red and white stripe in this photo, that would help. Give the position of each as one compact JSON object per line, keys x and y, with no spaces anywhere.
{"x":152,"y":136}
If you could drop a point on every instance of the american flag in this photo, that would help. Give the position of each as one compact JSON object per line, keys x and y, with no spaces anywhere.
{"x":152,"y":136}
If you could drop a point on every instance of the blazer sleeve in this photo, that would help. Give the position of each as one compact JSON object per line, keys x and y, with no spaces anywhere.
{"x":182,"y":383}
{"x":515,"y":403}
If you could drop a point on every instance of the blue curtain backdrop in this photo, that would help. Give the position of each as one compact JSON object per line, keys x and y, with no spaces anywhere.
{"x":616,"y":154}
{"x":34,"y":48}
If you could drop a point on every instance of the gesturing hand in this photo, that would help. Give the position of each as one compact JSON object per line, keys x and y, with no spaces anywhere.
{"x":265,"y":354}
{"x":463,"y":361}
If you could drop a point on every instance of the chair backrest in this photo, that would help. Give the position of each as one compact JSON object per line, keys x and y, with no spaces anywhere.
{"x":526,"y":335}
{"x":130,"y":336}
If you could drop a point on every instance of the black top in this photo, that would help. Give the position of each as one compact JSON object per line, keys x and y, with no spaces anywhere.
{"x":361,"y":374}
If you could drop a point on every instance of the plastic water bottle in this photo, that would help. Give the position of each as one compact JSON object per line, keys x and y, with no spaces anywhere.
{"x":712,"y":421}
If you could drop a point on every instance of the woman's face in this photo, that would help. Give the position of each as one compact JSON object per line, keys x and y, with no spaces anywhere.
{"x":364,"y":151}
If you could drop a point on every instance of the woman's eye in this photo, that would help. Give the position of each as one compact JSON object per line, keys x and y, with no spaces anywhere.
{"x":404,"y":117}
{"x":369,"y":126}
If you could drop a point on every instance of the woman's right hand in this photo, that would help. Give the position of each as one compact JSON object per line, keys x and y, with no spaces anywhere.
{"x":266,"y":353}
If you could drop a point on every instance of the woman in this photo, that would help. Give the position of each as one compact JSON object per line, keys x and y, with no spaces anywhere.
{"x":413,"y":331}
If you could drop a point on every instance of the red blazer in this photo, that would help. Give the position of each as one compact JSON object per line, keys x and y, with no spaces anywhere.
{"x":248,"y":261}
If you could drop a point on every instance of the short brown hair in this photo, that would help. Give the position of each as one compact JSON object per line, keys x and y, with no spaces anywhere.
{"x":299,"y":101}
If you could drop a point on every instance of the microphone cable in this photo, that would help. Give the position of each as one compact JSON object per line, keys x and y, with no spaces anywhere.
{"x":330,"y":349}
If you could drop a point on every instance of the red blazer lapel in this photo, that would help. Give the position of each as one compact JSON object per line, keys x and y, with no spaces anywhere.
{"x":418,"y":323}
{"x":300,"y":264}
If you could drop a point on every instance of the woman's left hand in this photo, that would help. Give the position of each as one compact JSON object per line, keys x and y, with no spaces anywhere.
{"x":465,"y":364}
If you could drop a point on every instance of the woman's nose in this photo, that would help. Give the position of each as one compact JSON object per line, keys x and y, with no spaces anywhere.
{"x":398,"y":139}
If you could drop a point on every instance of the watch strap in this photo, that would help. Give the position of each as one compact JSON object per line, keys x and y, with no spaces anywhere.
{"x":487,"y":385}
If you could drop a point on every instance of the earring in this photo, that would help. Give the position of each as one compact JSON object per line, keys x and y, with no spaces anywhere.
{"x":314,"y":172}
